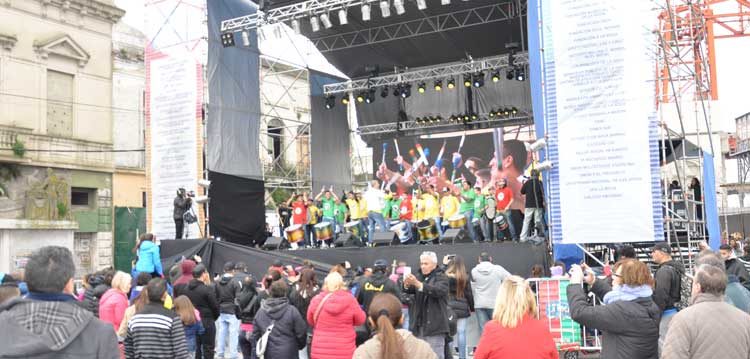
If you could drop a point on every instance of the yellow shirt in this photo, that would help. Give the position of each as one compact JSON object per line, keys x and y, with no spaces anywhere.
{"x":449,"y":206}
{"x":362,"y":208}
{"x":313,"y":213}
{"x":353,"y":209}
{"x":417,"y":209}
{"x":431,"y":206}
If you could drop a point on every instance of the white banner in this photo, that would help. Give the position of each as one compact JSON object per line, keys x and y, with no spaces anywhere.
{"x":600,"y":113}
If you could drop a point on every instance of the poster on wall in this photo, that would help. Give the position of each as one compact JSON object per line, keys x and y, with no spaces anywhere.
{"x":600,"y":120}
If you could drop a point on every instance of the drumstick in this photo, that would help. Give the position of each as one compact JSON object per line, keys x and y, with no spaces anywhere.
{"x":439,"y":160}
{"x":398,"y":154}
{"x":382,"y":161}
{"x":455,"y":164}
{"x":423,"y":159}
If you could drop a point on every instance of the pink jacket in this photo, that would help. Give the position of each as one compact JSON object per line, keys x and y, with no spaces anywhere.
{"x":112,"y":307}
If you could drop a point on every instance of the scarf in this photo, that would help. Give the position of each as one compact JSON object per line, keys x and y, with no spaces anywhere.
{"x":627,"y":293}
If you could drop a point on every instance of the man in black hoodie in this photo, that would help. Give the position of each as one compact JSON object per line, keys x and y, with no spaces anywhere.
{"x":375,"y":284}
{"x":203,"y":298}
{"x":733,"y":266}
{"x":289,"y":333}
{"x":668,"y":278}
{"x":228,"y":325}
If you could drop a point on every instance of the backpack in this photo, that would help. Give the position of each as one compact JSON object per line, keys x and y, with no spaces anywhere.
{"x":260,"y":349}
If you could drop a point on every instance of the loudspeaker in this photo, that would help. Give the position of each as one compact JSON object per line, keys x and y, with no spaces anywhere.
{"x":456,"y":235}
{"x":347,"y":240}
{"x":275,"y":243}
{"x":383,"y":238}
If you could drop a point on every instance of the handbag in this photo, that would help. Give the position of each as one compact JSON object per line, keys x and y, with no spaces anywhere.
{"x":320,"y":306}
{"x":452,"y":321}
{"x":260,"y":350}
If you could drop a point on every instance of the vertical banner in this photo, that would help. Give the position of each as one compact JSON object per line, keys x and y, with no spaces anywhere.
{"x":600,"y":118}
{"x":710,"y":206}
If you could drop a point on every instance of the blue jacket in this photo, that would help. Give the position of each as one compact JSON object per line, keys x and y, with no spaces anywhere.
{"x":191,"y":334}
{"x":149,"y":260}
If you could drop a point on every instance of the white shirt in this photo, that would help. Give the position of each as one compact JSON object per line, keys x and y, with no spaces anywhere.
{"x":375,"y":199}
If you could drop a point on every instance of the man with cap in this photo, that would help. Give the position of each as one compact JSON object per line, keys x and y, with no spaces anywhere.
{"x":668,"y":278}
{"x":228,"y":325}
{"x":377,"y":283}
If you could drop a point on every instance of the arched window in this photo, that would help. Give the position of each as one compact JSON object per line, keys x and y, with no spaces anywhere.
{"x":275,"y":140}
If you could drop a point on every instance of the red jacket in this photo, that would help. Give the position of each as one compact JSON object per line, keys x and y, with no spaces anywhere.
{"x":531,"y":339}
{"x":112,"y":307}
{"x":333,"y":333}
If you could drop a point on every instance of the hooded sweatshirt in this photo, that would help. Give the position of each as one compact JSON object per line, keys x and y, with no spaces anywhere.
{"x":486,"y":280}
{"x":227,"y":291}
{"x":149,"y":260}
{"x":668,"y":280}
{"x":289,"y":328}
{"x":53,"y":329}
{"x":186,"y":267}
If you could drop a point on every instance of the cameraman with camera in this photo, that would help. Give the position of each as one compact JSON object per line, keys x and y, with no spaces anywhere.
{"x":182,"y":204}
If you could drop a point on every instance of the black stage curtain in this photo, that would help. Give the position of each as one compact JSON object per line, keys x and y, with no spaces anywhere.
{"x":236,"y":212}
{"x":329,"y":138}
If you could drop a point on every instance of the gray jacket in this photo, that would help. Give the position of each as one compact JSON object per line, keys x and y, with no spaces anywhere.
{"x":486,"y":279}
{"x":59,"y":330}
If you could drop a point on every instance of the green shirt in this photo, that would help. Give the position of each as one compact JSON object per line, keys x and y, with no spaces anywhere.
{"x":395,"y":208}
{"x":328,"y":206}
{"x":479,"y":203}
{"x":340,"y":211}
{"x":467,"y":201}
{"x":386,"y":208}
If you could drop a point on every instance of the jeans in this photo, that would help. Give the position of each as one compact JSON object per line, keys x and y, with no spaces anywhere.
{"x":511,"y":227}
{"x":375,"y":218}
{"x":530,"y":214}
{"x":461,"y":337}
{"x":246,"y":346}
{"x":485,"y":224}
{"x":439,"y":226}
{"x":227,"y":325}
{"x":437,"y":343}
{"x":405,"y":314}
{"x":483,"y":316}
{"x":364,"y":227}
{"x":470,"y":226}
{"x":666,"y":319}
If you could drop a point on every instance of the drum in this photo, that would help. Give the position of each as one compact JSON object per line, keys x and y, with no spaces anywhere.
{"x":457,"y":221}
{"x":500,"y":222}
{"x":354,"y":228}
{"x":428,"y":230}
{"x":402,"y":231}
{"x":295,"y":233}
{"x":324,"y":231}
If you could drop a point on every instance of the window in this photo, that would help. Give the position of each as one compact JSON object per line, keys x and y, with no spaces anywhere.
{"x":275,"y":137}
{"x":59,"y":103}
{"x":143,"y":199}
{"x":82,"y":196}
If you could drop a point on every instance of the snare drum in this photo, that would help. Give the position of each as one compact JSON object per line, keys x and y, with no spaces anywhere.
{"x":354,"y":228}
{"x":402,"y":231}
{"x":324,"y":231}
{"x":295,"y":233}
{"x":457,"y":221}
{"x":428,"y":230}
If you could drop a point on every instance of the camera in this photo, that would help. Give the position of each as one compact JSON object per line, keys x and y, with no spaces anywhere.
{"x":191,"y":194}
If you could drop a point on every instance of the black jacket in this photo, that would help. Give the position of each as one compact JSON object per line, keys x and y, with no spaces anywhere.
{"x":181,"y":205}
{"x":631,"y":328}
{"x":203,"y":298}
{"x":736,"y":268}
{"x":249,"y":301}
{"x":301,"y":300}
{"x":376,"y":284}
{"x":534,"y":193}
{"x":427,"y":315}
{"x":227,"y":291}
{"x":289,"y":334}
{"x":668,"y":278}
{"x":461,"y":306}
{"x":92,"y":295}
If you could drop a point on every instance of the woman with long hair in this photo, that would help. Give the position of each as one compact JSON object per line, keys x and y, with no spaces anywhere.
{"x":302,"y":293}
{"x":460,"y":298}
{"x":191,"y":321}
{"x":389,"y":342}
{"x":138,"y":303}
{"x":333,"y":314}
{"x":114,"y":302}
{"x":249,"y":303}
{"x":516,"y":331}
{"x":149,"y":259}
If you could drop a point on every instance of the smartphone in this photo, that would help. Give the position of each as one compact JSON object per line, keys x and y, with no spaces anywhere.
{"x":407,"y":271}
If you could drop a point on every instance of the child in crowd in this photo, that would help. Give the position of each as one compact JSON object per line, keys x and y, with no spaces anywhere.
{"x":191,"y":320}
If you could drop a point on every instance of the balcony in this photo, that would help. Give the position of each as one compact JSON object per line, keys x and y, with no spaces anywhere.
{"x":44,"y":150}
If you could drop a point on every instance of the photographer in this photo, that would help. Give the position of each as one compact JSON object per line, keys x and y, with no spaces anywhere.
{"x":181,"y":205}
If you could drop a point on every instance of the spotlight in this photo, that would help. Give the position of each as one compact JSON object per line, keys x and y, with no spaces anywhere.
{"x":421,"y":87}
{"x":385,"y":8}
{"x":227,"y":39}
{"x":330,"y":101}
{"x":326,"y":21}
{"x":245,"y":38}
{"x":421,"y":4}
{"x":370,"y":96}
{"x":513,"y":111}
{"x":506,"y":112}
{"x":451,"y":84}
{"x":474,"y":116}
{"x":438,"y":119}
{"x":492,"y":114}
{"x":295,"y":27}
{"x":478,"y":79}
{"x":495,"y":76}
{"x":466,"y":117}
{"x":445,"y":2}
{"x":520,"y":73}
{"x":384,"y":92}
{"x":406,"y":91}
{"x":342,"y":17}
{"x":418,"y":120}
{"x":467,"y":80}
{"x":365,"y":12}
{"x":314,"y":23}
{"x":399,"y":5}
{"x":510,"y":74}
{"x":345,"y":99}
{"x":397,"y":90}
{"x":438,"y":85}
{"x":360,"y":97}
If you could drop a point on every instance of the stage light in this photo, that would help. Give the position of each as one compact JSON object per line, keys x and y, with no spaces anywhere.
{"x":325,"y":19}
{"x":513,"y":111}
{"x":451,"y":84}
{"x":495,"y":76}
{"x":397,"y":90}
{"x":370,"y":96}
{"x":418,"y":120}
{"x":399,"y":5}
{"x":314,"y":23}
{"x":510,"y":74}
{"x":438,"y":85}
{"x":406,"y":91}
{"x":466,"y":117}
{"x":361,"y":97}
{"x":492,"y":114}
{"x":295,"y":27}
{"x":342,"y":17}
{"x":478,"y":79}
{"x":245,"y":38}
{"x":467,"y":80}
{"x":345,"y":99}
{"x":438,"y":119}
{"x":520,"y":73}
{"x":506,"y":112}
{"x":384,"y":92}
{"x":365,"y":12}
{"x":330,"y":101}
{"x":538,"y":145}
{"x":421,"y":4}
{"x":445,"y":2}
{"x":421,"y":87}
{"x":474,"y":116}
{"x":227,"y":39}
{"x":385,"y":8}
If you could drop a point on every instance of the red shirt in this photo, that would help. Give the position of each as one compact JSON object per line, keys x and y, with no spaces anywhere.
{"x":299,"y":212}
{"x":530,"y":339}
{"x":503,"y":196}
{"x":405,"y":209}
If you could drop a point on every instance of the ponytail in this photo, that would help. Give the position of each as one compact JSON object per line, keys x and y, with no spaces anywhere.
{"x":385,"y":313}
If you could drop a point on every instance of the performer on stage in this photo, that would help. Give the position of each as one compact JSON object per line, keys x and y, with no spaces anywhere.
{"x":299,"y":202}
{"x":313,"y":218}
{"x":504,"y":198}
{"x":353,"y":206}
{"x":448,"y":205}
{"x":364,"y":220}
{"x":406,"y":212}
{"x":467,"y":207}
{"x":479,"y":206}
{"x":432,"y":206}
{"x":375,"y":199}
{"x":328,"y":203}
{"x":340,"y":212}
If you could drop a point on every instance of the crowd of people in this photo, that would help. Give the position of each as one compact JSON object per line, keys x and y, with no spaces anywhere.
{"x":381,"y":312}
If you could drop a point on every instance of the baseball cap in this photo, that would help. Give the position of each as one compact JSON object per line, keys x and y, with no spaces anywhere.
{"x":662,"y":246}
{"x":380,"y":263}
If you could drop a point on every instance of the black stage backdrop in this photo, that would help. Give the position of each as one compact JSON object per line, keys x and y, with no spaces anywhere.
{"x":329,"y":138}
{"x":517,"y":258}
{"x":236,"y":211}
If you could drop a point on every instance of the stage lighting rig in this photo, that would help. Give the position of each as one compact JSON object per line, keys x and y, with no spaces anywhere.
{"x":478,"y":79}
{"x":326,"y":20}
{"x":370,"y":96}
{"x":492,"y":114}
{"x":345,"y":99}
{"x":421,"y":87}
{"x":342,"y":17}
{"x":365,"y":12}
{"x":314,"y":23}
{"x":330,"y":101}
{"x":384,"y":92}
{"x":421,"y":4}
{"x":406,"y":91}
{"x":438,"y":85}
{"x":520,"y":73}
{"x":227,"y":39}
{"x":295,"y":27}
{"x":360,"y":97}
{"x":513,"y":111}
{"x":385,"y":8}
{"x":467,"y":80}
{"x":399,"y":5}
{"x":451,"y":84}
{"x":496,"y":76}
{"x":445,"y":2}
{"x":510,"y":74}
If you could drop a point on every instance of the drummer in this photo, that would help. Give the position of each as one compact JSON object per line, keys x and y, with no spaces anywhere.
{"x":313,"y":218}
{"x":353,"y":206}
{"x":505,"y":200}
{"x":431,"y":202}
{"x":448,"y":206}
{"x":328,"y":205}
{"x":339,"y":212}
{"x":406,"y":212}
{"x":467,"y":207}
{"x":299,"y":202}
{"x":480,"y":205}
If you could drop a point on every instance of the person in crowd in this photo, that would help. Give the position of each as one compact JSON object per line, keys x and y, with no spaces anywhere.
{"x":96,"y":288}
{"x":629,"y":317}
{"x":25,"y":323}
{"x":406,"y":212}
{"x":204,"y":299}
{"x":503,"y":202}
{"x":240,"y":272}
{"x":155,"y":332}
{"x":733,"y":266}
{"x":249,"y":304}
{"x":534,"y":205}
{"x":668,"y":284}
{"x":746,"y":253}
{"x":390,"y":341}
{"x":149,"y":259}
{"x":186,"y":267}
{"x":516,"y":330}
{"x":8,"y":289}
{"x":709,"y":327}
{"x":375,"y":201}
{"x":376,"y":284}
{"x":174,"y":272}
{"x":138,"y":303}
{"x":537,"y":271}
{"x":430,"y":289}
{"x":735,"y":294}
{"x":191,"y":321}
{"x":467,"y":197}
{"x":114,"y":302}
{"x":140,"y":282}
{"x":460,"y":298}
{"x":486,"y":281}
{"x":287,"y":331}
{"x":333,"y":314}
{"x":228,"y":325}
{"x":626,"y":251}
{"x":303,"y":291}
{"x":480,"y":205}
{"x":181,"y":205}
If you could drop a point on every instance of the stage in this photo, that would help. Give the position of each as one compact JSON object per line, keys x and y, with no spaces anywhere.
{"x":517,"y":258}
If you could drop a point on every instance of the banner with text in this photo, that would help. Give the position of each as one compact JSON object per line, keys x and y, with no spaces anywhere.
{"x":600,"y":119}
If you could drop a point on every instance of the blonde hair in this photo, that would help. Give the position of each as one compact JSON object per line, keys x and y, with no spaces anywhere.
{"x":333,"y":282}
{"x":514,"y":301}
{"x":121,"y":281}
